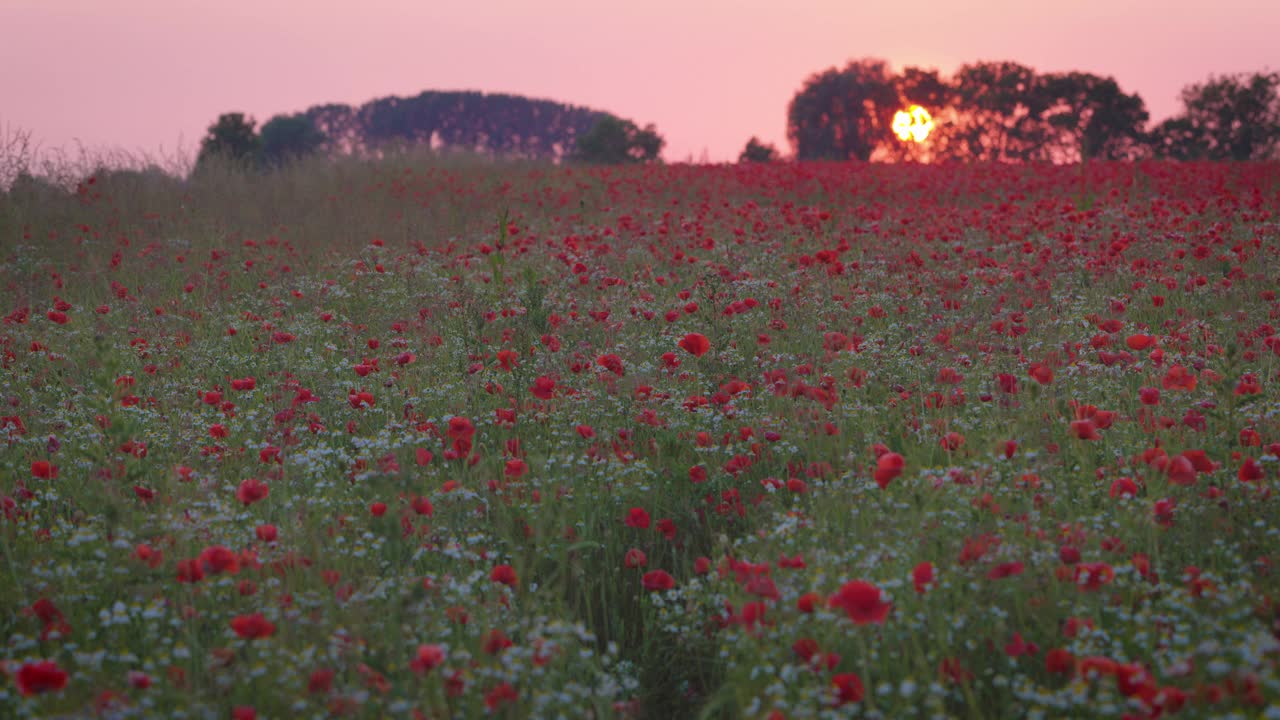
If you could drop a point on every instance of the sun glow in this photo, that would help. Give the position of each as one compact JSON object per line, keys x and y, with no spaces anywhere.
{"x":913,"y":124}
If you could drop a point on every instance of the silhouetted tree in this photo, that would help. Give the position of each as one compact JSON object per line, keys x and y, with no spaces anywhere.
{"x":498,"y":124}
{"x":1228,"y":117}
{"x":288,"y":137}
{"x":842,"y":114}
{"x":614,"y":141}
{"x":999,"y":111}
{"x":1088,"y":116}
{"x":339,"y":125}
{"x":929,"y":90}
{"x":758,"y":152}
{"x":1177,"y":139}
{"x":231,"y":138}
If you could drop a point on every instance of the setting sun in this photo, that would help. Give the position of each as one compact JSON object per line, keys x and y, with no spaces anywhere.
{"x":914,"y":124}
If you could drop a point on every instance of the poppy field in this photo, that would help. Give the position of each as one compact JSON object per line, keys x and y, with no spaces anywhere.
{"x":425,"y":439}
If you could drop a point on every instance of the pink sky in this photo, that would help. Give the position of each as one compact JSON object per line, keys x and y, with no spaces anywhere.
{"x":151,"y":74}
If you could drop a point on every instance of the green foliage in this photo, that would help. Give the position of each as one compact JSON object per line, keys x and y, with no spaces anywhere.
{"x":758,"y":152}
{"x":233,"y":139}
{"x":1228,"y":117}
{"x":614,"y":141}
{"x":288,"y":137}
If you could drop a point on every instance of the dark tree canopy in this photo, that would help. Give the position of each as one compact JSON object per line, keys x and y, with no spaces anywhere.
{"x":1091,"y":117}
{"x":496,"y":124}
{"x":842,"y":114}
{"x":232,"y":138}
{"x":488,"y":124}
{"x":758,"y":152}
{"x":999,"y":110}
{"x":289,"y":137}
{"x":1228,"y":117}
{"x":985,"y":111}
{"x":614,"y":141}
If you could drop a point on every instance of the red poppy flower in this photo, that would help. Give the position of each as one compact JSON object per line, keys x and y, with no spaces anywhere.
{"x":1181,"y":471}
{"x":508,"y":360}
{"x":1179,"y":378}
{"x":1008,"y":383}
{"x":422,"y":506}
{"x":667,"y":527}
{"x":808,"y":602}
{"x":1248,"y":385}
{"x":321,"y":681}
{"x":495,"y":641}
{"x":40,"y":677}
{"x":461,"y":428}
{"x":862,"y":602}
{"x":1059,"y":662}
{"x":612,"y":363}
{"x":695,"y":344}
{"x":848,"y":687}
{"x":252,"y":627}
{"x":1140,"y":341}
{"x":504,"y":575}
{"x":805,"y":648}
{"x":44,"y":470}
{"x":635,"y":558}
{"x":1085,"y":430}
{"x":544,"y":387}
{"x":637,"y":517}
{"x":658,"y":580}
{"x":888,"y":467}
{"x":1250,"y":471}
{"x":1092,"y":576}
{"x":189,"y":571}
{"x":217,"y":559}
{"x":922,"y":577}
{"x":251,"y":491}
{"x":428,"y":658}
{"x":1004,"y":570}
{"x":1041,"y":373}
{"x":499,"y":696}
{"x":1123,"y":487}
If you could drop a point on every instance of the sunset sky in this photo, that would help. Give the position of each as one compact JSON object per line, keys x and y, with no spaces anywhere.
{"x":153,"y":74}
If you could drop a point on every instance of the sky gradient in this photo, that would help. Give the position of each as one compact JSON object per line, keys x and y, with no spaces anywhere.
{"x":151,"y":75}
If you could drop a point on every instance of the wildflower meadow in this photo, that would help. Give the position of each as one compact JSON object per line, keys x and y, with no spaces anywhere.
{"x":430,"y":438}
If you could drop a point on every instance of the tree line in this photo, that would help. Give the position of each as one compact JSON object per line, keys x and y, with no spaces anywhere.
{"x":1005,"y":111}
{"x":488,"y":124}
{"x":984,"y":111}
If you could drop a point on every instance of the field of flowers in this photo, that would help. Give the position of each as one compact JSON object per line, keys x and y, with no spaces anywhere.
{"x":447,"y":439}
